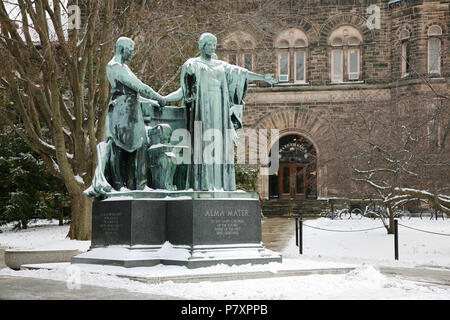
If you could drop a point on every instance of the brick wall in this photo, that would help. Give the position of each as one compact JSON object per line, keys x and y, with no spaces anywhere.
{"x":308,"y":110}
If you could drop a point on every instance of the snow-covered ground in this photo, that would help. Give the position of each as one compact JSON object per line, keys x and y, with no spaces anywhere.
{"x":375,"y":246}
{"x":322,"y":249}
{"x":41,"y":234}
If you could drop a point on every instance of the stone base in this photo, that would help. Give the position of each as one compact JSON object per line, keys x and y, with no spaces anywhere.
{"x":195,"y":232}
{"x":123,"y":256}
{"x":14,"y":258}
{"x":189,"y":256}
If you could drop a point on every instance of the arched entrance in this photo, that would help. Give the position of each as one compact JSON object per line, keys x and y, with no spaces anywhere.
{"x":296,"y":178}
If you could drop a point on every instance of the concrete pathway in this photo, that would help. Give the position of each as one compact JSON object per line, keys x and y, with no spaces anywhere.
{"x":2,"y":257}
{"x":277,"y":232}
{"x":21,"y":288}
{"x":436,"y":275}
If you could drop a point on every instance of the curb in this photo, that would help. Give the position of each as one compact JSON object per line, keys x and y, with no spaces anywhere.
{"x":248,"y":275}
{"x":15,"y":258}
{"x":236,"y":276}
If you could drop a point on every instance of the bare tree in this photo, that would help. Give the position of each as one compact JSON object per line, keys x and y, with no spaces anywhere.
{"x":57,"y":87}
{"x":54,"y":82}
{"x":399,"y":151}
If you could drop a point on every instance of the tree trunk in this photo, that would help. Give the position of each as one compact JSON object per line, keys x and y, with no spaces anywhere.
{"x":81,"y":217}
{"x":61,"y":217}
{"x":390,"y":228}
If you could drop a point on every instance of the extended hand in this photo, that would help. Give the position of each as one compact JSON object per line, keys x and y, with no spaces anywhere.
{"x":268,"y":77}
{"x":162,"y":102}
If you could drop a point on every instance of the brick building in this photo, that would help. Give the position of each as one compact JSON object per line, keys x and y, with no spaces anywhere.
{"x":331,"y":58}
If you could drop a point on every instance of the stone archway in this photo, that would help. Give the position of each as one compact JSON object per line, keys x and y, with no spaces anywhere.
{"x":296,"y":175}
{"x":302,"y":122}
{"x":335,"y":21}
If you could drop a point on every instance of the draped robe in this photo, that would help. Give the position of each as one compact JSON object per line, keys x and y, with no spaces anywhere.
{"x":213,"y":95}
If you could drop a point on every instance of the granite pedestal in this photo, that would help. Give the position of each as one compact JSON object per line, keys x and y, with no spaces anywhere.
{"x":196,"y":230}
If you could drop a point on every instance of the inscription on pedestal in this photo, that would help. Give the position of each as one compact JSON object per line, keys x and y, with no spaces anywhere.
{"x":213,"y":222}
{"x":111,"y":223}
{"x":227,"y":227}
{"x":226,"y":222}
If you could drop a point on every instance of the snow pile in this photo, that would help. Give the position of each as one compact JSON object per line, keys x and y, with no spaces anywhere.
{"x":368,"y":276}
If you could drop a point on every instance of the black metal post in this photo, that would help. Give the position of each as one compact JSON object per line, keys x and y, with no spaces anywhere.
{"x":396,"y":238}
{"x":296,"y":231}
{"x":300,"y":236}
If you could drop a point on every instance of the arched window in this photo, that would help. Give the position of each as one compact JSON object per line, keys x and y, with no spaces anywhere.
{"x":232,"y":56}
{"x":434,"y":49}
{"x":345,"y":54}
{"x":291,"y":45}
{"x":405,"y":54}
{"x":239,"y":50}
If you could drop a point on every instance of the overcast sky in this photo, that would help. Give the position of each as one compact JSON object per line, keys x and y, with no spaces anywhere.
{"x":14,"y":12}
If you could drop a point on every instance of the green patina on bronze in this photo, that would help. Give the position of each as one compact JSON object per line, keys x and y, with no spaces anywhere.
{"x":137,"y":150}
{"x":123,"y":156}
{"x":213,"y":93}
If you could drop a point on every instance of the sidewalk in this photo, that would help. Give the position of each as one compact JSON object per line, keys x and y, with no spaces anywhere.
{"x":20,"y":288}
{"x":431,"y":275}
{"x":2,"y":258}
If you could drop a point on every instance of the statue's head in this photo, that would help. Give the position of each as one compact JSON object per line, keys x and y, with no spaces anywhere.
{"x":125,"y":47}
{"x":207,"y":44}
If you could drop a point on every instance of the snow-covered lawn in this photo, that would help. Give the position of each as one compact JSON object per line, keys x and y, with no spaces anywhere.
{"x":375,"y":246}
{"x":41,"y":234}
{"x":322,"y":249}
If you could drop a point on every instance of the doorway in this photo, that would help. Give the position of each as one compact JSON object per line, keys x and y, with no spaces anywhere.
{"x":296,"y":177}
{"x":292,"y":181}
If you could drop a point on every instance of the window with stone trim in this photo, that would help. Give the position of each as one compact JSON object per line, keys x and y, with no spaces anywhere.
{"x":232,"y":58}
{"x":433,"y":127}
{"x":337,"y":65}
{"x":353,"y":63}
{"x":434,"y":49}
{"x":292,"y":50}
{"x":345,"y":54}
{"x":405,"y":58}
{"x":239,"y":49}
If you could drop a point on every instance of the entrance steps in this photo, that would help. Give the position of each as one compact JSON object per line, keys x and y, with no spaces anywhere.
{"x":286,"y":208}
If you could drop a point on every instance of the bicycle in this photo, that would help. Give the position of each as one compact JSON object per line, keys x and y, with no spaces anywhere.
{"x":402,"y":214}
{"x":431,"y":214}
{"x":343,"y":213}
{"x":376,"y":211}
{"x":369,"y":212}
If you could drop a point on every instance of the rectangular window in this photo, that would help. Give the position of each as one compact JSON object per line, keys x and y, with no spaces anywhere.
{"x":232,"y":59}
{"x":284,"y":66}
{"x":434,"y":46}
{"x":286,"y":180}
{"x":353,"y":64}
{"x":337,"y":66}
{"x":300,"y":66}
{"x":299,"y":180}
{"x":405,"y":58}
{"x":248,"y":61}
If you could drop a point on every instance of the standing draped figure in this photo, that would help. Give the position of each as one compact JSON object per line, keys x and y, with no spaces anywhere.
{"x":213,"y":93}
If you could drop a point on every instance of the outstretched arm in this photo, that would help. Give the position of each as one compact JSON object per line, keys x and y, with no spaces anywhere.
{"x":174,"y":96}
{"x":128,"y":78}
{"x":268,"y":77}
